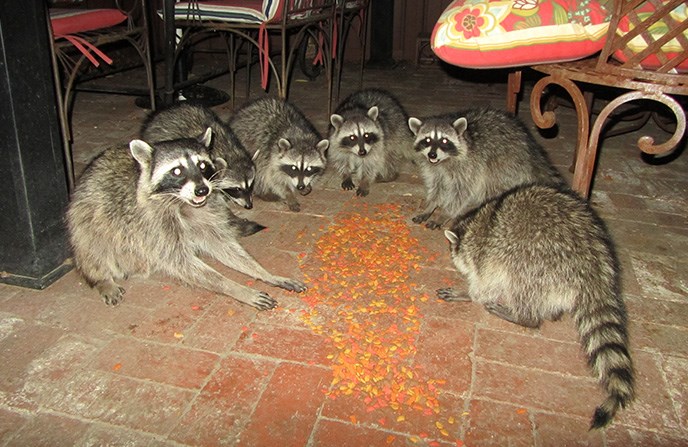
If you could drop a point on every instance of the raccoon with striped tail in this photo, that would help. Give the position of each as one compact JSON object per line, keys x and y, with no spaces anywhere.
{"x":536,"y":252}
{"x":368,"y":139}
{"x":235,"y":181}
{"x":288,"y":152}
{"x":468,"y":157}
{"x":146,"y":209}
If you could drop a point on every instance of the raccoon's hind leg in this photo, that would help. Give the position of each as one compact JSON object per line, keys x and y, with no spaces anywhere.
{"x":450,"y":295}
{"x":111,"y":292}
{"x":506,"y":313}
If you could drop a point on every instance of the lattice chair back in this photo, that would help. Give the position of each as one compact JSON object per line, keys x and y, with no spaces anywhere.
{"x":648,"y":41}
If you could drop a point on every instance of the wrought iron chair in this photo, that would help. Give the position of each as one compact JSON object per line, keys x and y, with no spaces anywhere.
{"x":645,"y":55}
{"x":349,"y":12}
{"x":80,"y":38}
{"x":253,"y":24}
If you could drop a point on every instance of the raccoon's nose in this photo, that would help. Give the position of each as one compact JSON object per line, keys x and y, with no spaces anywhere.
{"x":300,"y":186}
{"x":201,"y":191}
{"x":249,"y":204}
{"x":432,"y":155}
{"x":362,"y":151}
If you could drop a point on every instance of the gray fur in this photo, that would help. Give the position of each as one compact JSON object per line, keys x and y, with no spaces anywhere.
{"x":288,"y":152}
{"x":379,"y":115}
{"x":468,"y":157}
{"x":537,"y":252}
{"x":137,"y":211}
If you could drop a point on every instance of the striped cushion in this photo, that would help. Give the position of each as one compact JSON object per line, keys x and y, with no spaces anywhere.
{"x":71,"y":21}
{"x":243,"y":11}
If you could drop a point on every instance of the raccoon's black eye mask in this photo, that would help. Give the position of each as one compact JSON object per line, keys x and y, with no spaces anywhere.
{"x":353,"y":139}
{"x":207,"y":169}
{"x":442,"y":144}
{"x":294,"y":171}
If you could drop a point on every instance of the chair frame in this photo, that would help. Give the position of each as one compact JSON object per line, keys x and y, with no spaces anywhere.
{"x":657,"y":85}
{"x":315,"y":17}
{"x":347,"y":13}
{"x":68,"y":60}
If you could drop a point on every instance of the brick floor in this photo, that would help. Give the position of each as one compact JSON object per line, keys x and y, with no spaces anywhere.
{"x":174,"y":366}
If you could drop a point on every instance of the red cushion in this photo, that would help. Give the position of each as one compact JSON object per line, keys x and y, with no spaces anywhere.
{"x":497,"y":33}
{"x":71,"y":21}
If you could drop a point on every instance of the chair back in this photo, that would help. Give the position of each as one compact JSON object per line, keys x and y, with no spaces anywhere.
{"x":647,"y":41}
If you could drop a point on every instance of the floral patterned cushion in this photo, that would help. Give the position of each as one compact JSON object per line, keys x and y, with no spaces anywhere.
{"x":508,"y":33}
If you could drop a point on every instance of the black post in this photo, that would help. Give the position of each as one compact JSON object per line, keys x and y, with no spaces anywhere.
{"x":381,"y":34}
{"x":33,"y":242}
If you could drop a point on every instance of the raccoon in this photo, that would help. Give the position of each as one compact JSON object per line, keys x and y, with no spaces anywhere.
{"x":536,"y":252}
{"x":288,"y":152}
{"x":368,"y":139}
{"x":190,"y":121}
{"x":157,"y":208}
{"x":235,"y":181}
{"x":468,"y":157}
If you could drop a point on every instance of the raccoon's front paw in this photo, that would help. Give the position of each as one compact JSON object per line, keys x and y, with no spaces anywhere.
{"x":348,"y":184}
{"x":421,"y":218}
{"x":450,"y":295}
{"x":432,"y":225}
{"x":263,"y":301}
{"x":113,"y":295}
{"x":294,"y":206}
{"x":293,"y":285}
{"x":360,"y":192}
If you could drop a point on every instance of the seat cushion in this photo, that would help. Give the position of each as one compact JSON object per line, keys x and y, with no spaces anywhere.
{"x":71,"y":21}
{"x":498,"y":34}
{"x":242,"y":11}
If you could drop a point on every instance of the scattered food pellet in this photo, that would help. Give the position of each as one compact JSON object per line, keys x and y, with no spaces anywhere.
{"x":362,"y":270}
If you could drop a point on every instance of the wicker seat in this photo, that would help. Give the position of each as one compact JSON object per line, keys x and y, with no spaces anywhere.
{"x":649,"y":62}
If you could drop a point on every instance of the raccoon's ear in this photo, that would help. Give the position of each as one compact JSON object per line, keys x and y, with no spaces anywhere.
{"x":284,"y":145}
{"x":451,"y":236}
{"x":373,"y":112}
{"x":460,"y":125}
{"x":322,"y":146}
{"x":255,"y":155}
{"x":337,"y":121}
{"x":414,"y":124}
{"x":141,"y":151}
{"x":220,"y":163}
{"x":207,"y":137}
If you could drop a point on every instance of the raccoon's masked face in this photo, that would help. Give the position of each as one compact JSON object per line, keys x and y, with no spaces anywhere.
{"x":437,"y":142}
{"x":187,"y":178}
{"x":180,"y":169}
{"x":302,"y":167}
{"x":238,"y":186}
{"x":358,"y":136}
